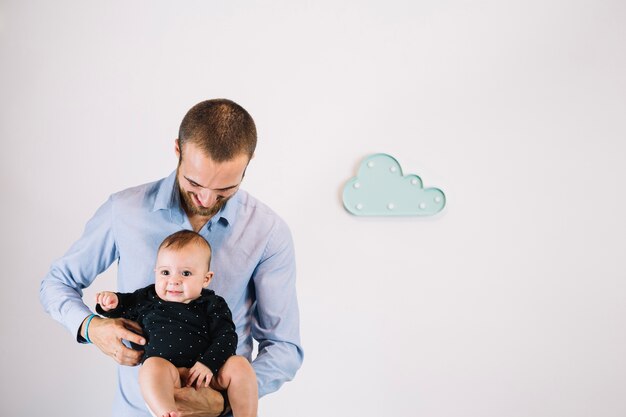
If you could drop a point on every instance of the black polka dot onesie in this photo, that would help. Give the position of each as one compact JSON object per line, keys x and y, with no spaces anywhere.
{"x":201,"y":331}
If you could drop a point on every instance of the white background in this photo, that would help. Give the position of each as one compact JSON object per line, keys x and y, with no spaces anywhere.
{"x":511,"y":302}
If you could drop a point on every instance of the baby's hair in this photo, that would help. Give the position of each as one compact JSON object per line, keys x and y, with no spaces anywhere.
{"x":184,"y":238}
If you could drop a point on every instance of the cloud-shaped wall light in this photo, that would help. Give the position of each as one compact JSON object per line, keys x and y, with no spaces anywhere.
{"x":380,"y":189}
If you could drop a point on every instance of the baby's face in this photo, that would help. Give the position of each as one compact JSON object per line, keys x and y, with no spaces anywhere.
{"x":180,"y":275}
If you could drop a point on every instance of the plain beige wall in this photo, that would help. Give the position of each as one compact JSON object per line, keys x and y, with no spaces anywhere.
{"x":509,"y":303}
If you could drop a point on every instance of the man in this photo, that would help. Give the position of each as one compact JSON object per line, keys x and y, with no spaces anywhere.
{"x":253,"y":260}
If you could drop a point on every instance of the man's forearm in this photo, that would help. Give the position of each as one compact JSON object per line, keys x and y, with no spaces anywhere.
{"x":201,"y":402}
{"x":61,"y":289}
{"x":276,"y":363}
{"x":64,"y":304}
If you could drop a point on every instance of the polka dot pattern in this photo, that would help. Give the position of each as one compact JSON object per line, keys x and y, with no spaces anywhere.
{"x":184,"y":334}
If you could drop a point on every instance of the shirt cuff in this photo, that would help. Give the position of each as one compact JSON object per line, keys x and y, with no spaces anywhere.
{"x":75,"y":318}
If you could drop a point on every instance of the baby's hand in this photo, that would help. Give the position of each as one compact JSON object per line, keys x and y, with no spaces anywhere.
{"x":107,"y":300}
{"x":201,"y":373}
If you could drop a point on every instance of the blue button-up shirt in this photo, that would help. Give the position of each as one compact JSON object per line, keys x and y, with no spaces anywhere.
{"x":253,"y":260}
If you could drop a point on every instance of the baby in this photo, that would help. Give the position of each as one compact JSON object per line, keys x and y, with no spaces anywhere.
{"x":190,"y":334}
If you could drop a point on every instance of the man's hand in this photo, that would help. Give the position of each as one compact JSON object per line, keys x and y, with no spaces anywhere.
{"x":201,"y":402}
{"x":201,"y":373}
{"x":108,"y":300}
{"x":107,"y":334}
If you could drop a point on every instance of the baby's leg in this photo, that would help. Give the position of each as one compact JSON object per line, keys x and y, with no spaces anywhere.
{"x":239,"y":380}
{"x":157,"y":378}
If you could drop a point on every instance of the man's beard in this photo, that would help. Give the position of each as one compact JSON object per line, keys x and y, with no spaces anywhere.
{"x":191,"y":208}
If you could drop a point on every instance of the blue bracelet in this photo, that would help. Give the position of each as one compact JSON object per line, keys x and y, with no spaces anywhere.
{"x":87,"y":328}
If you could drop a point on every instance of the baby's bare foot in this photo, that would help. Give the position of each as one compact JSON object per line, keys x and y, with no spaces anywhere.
{"x":171,"y":414}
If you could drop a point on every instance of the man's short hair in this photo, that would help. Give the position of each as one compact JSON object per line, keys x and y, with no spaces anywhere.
{"x":183,"y":238}
{"x":221,"y":128}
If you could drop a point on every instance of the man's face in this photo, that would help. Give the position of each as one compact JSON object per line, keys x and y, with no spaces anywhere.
{"x":180,"y":275}
{"x":206,"y":185}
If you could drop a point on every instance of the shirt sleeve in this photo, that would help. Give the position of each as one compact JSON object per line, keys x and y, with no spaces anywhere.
{"x":223,"y":335}
{"x":276,"y":321}
{"x":61,"y":290}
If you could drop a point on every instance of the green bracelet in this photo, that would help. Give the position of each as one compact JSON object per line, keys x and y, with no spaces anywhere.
{"x":87,"y":328}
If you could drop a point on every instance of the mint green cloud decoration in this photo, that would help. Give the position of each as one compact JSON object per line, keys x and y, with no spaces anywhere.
{"x":380,"y":189}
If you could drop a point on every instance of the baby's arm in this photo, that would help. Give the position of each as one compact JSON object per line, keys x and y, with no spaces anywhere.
{"x":224,"y":345}
{"x":108,"y":300}
{"x":222,"y":330}
{"x":121,"y":304}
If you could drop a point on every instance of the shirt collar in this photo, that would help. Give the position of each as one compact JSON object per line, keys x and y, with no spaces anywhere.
{"x":167,"y":195}
{"x":168,"y":198}
{"x":228,"y":213}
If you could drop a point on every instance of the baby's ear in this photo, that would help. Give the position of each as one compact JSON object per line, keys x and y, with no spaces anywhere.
{"x":207,"y":279}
